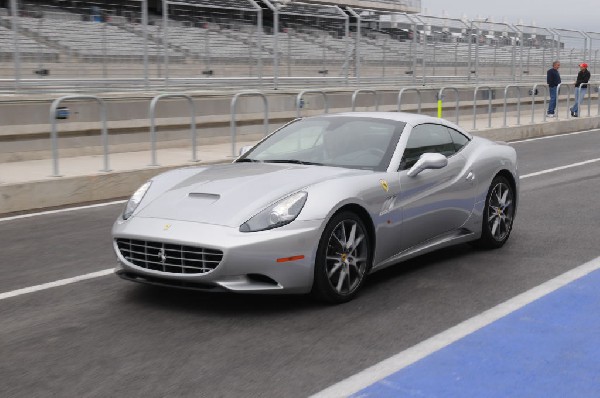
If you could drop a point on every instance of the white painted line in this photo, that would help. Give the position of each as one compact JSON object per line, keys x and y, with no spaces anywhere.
{"x":50,"y":285}
{"x":69,"y":209}
{"x":405,"y":358}
{"x":560,"y":168}
{"x":548,"y":137}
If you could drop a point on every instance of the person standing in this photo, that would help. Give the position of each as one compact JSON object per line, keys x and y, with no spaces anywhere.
{"x":553,"y":80}
{"x":583,"y":77}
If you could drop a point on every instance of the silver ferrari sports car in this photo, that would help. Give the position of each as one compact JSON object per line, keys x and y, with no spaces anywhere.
{"x":318,"y":205}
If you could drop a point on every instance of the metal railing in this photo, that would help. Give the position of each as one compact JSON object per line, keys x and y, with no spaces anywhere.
{"x":441,"y":101}
{"x":57,"y":113}
{"x":568,"y":86}
{"x":489,"y":105}
{"x":300,"y":103}
{"x":366,"y":91}
{"x":534,"y":92}
{"x":518,"y":103}
{"x":234,"y":102}
{"x":152,"y":115}
{"x":418,"y":91}
{"x":54,"y":134}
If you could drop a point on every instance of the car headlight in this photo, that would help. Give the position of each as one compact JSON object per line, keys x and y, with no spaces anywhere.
{"x":135,"y":200}
{"x":278,"y":214}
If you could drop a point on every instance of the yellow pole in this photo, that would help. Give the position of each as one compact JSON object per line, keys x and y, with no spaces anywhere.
{"x":440,"y":108}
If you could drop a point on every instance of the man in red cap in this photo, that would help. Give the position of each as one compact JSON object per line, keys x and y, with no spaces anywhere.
{"x":583,"y":77}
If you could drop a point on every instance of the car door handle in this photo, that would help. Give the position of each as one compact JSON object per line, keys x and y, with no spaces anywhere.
{"x":470,"y":176}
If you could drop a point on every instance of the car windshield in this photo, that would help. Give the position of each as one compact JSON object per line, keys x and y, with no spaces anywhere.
{"x":340,"y":141}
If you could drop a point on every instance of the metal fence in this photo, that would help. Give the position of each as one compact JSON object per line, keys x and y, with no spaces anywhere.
{"x":507,"y":105}
{"x":197,"y":43}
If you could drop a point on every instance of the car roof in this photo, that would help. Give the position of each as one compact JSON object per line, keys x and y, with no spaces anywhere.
{"x":410,"y":118}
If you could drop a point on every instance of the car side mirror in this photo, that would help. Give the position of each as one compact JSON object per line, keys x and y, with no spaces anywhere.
{"x":428,"y":161}
{"x":244,"y":149}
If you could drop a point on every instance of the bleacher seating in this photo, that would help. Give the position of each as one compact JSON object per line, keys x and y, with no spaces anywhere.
{"x":205,"y":42}
{"x":212,"y":38}
{"x":90,"y":40}
{"x":28,"y":49}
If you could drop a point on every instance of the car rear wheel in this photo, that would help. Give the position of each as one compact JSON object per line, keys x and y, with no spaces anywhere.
{"x":498,"y":214}
{"x":343,"y":259}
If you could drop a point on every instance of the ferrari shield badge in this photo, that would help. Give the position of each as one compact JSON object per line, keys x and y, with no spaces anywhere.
{"x":384,"y":185}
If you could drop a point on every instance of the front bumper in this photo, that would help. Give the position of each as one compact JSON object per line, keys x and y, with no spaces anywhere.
{"x":249,"y":262}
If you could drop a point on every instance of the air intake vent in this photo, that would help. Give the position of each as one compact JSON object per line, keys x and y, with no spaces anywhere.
{"x":168,"y":257}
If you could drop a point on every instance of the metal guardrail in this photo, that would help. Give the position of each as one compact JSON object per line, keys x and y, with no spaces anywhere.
{"x":568,"y":86}
{"x":152,"y":114}
{"x":234,"y":101}
{"x":589,"y":92}
{"x":534,"y":91}
{"x":489,"y":106}
{"x":518,"y":103}
{"x":441,"y":99}
{"x":54,"y":134}
{"x":418,"y":91}
{"x":301,"y":94}
{"x":355,"y":96}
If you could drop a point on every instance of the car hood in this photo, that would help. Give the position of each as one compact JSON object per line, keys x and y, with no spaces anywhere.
{"x":230,"y":194}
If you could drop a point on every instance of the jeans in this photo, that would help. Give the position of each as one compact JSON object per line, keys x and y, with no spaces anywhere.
{"x":579,"y":97}
{"x":552,"y":105}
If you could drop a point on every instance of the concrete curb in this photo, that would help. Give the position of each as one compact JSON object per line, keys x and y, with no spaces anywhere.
{"x":66,"y":191}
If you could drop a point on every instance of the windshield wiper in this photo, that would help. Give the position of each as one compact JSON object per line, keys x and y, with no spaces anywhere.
{"x":247,"y":160}
{"x":294,"y":161}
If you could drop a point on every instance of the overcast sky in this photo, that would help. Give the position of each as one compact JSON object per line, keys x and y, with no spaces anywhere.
{"x":572,"y":14}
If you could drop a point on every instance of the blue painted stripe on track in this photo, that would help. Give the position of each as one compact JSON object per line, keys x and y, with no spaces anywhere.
{"x":548,"y":348}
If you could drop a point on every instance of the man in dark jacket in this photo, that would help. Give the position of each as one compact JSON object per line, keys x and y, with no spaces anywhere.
{"x":583,"y":77}
{"x":553,"y":80}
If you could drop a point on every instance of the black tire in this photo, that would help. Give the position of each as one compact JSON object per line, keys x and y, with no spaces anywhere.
{"x":498,"y":214}
{"x":340,"y":270}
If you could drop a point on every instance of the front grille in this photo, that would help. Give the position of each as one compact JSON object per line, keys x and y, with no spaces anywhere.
{"x":168,"y":257}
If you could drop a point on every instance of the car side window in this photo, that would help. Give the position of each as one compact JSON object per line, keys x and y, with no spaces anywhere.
{"x":427,"y":138}
{"x":459,"y":139}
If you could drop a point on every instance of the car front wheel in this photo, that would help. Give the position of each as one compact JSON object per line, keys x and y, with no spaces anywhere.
{"x":343,"y":259}
{"x":498,"y":214}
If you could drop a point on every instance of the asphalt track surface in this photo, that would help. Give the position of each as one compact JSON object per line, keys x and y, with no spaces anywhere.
{"x":106,"y":337}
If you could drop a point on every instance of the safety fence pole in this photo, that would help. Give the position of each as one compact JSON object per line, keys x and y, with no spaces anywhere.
{"x":357,"y":43}
{"x":233,"y":124}
{"x":15,"y":29}
{"x":534,"y":91}
{"x":145,"y":37}
{"x":598,"y":113}
{"x":579,"y":99}
{"x":418,"y":91}
{"x":373,"y":92}
{"x":568,"y":86}
{"x":54,"y":135}
{"x":166,"y":39}
{"x":475,"y":106}
{"x":299,"y":100}
{"x":441,"y":99}
{"x":518,"y":103}
{"x":152,"y":114}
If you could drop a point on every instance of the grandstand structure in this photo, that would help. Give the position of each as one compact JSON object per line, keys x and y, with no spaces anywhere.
{"x":326,"y":41}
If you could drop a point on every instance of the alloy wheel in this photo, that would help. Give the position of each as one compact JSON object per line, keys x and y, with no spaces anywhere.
{"x":346,"y":257}
{"x":500,"y":211}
